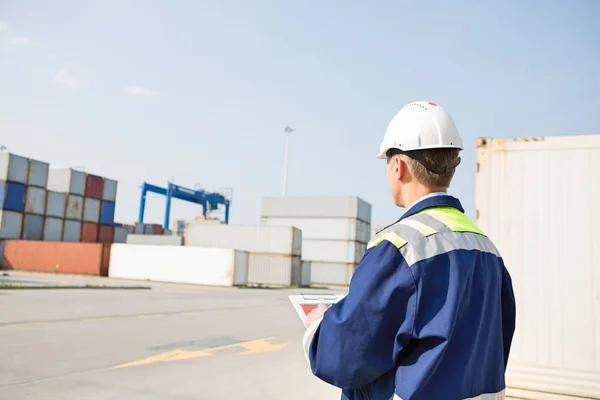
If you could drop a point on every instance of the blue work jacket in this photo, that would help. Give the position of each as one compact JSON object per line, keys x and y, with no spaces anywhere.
{"x":430,"y":313}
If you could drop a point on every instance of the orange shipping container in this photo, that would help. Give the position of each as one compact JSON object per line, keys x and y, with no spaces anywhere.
{"x":105,"y":234}
{"x":56,"y":257}
{"x":158,"y":230}
{"x":89,"y":232}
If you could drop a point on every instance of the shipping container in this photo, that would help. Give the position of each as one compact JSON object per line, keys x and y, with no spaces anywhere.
{"x":274,"y":269}
{"x":148,"y":229}
{"x":336,"y":251}
{"x":91,"y":210}
{"x":89,"y":232}
{"x":254,"y":239}
{"x":139,"y":228}
{"x":56,"y":204}
{"x":349,"y":229}
{"x":105,"y":264}
{"x":109,"y":190}
{"x":94,"y":186}
{"x":331,"y":273}
{"x":53,"y":229}
{"x":12,"y":196}
{"x":120,"y":234}
{"x":35,"y":200}
{"x":107,"y":213}
{"x":55,"y":257}
{"x":67,"y":180}
{"x":106,"y":234}
{"x":38,"y":173}
{"x":195,"y":265}
{"x":74,"y":208}
{"x":157,"y":229}
{"x":72,"y":231}
{"x":11,"y":223}
{"x":305,"y":274}
{"x":2,"y":243}
{"x":526,"y":192}
{"x":155,"y":240}
{"x":33,"y":227}
{"x":167,"y":232}
{"x":178,"y":226}
{"x":317,"y":207}
{"x":13,"y":168}
{"x":129,"y":228}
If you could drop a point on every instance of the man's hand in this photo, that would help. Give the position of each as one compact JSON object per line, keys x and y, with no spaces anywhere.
{"x":316,"y":314}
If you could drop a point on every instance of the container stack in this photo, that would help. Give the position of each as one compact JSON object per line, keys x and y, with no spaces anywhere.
{"x":274,"y":251}
{"x":335,"y":232}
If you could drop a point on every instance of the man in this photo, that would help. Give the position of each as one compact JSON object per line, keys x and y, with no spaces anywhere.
{"x":430,"y":312}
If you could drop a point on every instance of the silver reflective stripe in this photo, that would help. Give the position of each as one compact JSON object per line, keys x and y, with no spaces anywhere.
{"x":430,"y":221}
{"x":487,"y":396}
{"x":440,"y":244}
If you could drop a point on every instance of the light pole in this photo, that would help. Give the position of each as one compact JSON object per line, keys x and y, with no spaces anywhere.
{"x":288,"y":130}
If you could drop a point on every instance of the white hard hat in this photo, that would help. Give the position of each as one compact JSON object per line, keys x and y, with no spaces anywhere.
{"x":420,"y":125}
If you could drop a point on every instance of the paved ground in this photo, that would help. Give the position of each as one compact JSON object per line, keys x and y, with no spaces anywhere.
{"x":171,"y":342}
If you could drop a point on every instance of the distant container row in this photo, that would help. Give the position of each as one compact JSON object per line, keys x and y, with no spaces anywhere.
{"x":33,"y":173}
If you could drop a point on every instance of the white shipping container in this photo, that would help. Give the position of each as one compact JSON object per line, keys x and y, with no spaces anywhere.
{"x":336,"y":251}
{"x":13,"y":168}
{"x":537,"y":200}
{"x":155,"y":240}
{"x":33,"y":227}
{"x":53,"y":229}
{"x":109,"y":190}
{"x":251,"y":238}
{"x":35,"y":200}
{"x":196,"y":265}
{"x":274,"y":269}
{"x":74,"y":208}
{"x":91,"y":210}
{"x":38,"y":173}
{"x":331,"y":273}
{"x":56,"y":204}
{"x":310,"y":207}
{"x":11,"y":223}
{"x":72,"y":231}
{"x":120,"y":234}
{"x":350,"y":229}
{"x":67,"y":180}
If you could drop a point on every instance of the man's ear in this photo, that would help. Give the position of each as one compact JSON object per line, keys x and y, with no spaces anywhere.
{"x":399,"y":167}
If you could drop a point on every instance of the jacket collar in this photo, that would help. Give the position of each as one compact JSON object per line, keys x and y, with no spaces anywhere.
{"x":444,"y":200}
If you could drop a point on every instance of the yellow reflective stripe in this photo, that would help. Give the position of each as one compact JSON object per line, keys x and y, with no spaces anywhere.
{"x":418,"y":225}
{"x":391,"y":237}
{"x":453,"y":219}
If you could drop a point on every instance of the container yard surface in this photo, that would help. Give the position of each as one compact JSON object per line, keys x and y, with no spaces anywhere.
{"x":171,"y":342}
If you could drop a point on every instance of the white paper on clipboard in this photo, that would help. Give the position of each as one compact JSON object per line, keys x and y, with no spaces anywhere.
{"x":305,"y":303}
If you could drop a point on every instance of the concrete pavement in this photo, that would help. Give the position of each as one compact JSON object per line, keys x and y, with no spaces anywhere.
{"x":171,"y":342}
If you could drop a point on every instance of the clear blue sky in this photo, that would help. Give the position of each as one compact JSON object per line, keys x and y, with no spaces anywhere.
{"x":201,"y":90}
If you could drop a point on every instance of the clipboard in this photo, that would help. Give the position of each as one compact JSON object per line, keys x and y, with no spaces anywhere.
{"x":305,"y":303}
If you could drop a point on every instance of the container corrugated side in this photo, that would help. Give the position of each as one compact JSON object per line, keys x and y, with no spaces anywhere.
{"x":109,"y":190}
{"x":33,"y":227}
{"x":524,"y":203}
{"x":331,"y":273}
{"x":66,"y":180}
{"x":35,"y":200}
{"x":106,"y":233}
{"x":12,"y":196}
{"x":120,"y":234}
{"x":305,"y":273}
{"x":13,"y":168}
{"x":72,"y":231}
{"x":94,"y":186}
{"x":74,"y":209}
{"x":56,"y":204}
{"x":53,"y":229}
{"x":350,"y":229}
{"x":196,"y":265}
{"x":61,"y":257}
{"x":269,"y":269}
{"x":148,"y":229}
{"x":11,"y":224}
{"x":89,"y":232}
{"x":154,"y":240}
{"x":337,"y":251}
{"x":91,"y":210}
{"x":311,"y":207}
{"x":38,"y":173}
{"x":107,"y":212}
{"x":251,"y":238}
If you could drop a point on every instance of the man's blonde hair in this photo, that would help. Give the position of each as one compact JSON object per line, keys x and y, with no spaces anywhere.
{"x":438,"y":158}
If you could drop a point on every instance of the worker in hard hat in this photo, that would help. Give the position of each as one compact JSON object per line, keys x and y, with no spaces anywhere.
{"x":430,"y":312}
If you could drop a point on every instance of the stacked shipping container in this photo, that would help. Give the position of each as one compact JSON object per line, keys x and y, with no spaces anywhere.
{"x":274,"y":252}
{"x":335,"y":231}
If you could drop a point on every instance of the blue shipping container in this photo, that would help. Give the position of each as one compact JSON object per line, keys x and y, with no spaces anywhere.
{"x":12,"y":196}
{"x":107,"y":213}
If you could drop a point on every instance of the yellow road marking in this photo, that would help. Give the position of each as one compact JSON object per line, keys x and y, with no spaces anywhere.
{"x":96,"y":319}
{"x":150,"y":316}
{"x":252,"y":347}
{"x":25,"y":324}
